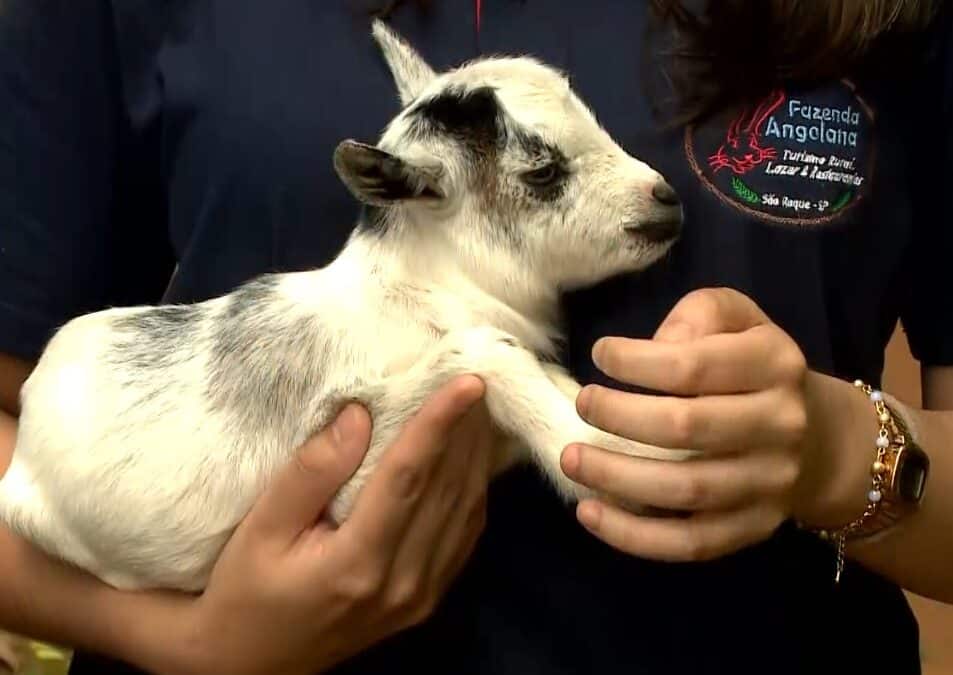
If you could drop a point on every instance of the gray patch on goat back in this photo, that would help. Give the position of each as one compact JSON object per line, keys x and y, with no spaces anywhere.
{"x":155,"y":338}
{"x":263,"y":362}
{"x":252,"y":295}
{"x":148,"y":344}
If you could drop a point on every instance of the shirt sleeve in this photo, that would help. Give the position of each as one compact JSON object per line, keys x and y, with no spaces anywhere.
{"x":927,"y":316}
{"x":71,"y":240}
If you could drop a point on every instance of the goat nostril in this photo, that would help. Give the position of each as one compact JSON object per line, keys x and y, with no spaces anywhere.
{"x":665,"y":193}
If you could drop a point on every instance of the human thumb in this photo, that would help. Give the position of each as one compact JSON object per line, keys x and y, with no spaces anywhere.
{"x":302,"y":489}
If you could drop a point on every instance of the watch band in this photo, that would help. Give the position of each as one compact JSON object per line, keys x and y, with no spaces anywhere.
{"x":898,"y":478}
{"x":906,"y":467}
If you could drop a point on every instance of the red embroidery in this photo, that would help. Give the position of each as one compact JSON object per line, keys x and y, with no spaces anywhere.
{"x":742,"y":150}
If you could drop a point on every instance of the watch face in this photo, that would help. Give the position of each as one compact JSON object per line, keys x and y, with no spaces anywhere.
{"x":910,"y":473}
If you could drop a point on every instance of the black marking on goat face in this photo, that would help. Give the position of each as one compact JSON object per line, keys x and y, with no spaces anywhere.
{"x":546,"y":181}
{"x":471,"y":116}
{"x":474,"y":117}
{"x":475,"y":120}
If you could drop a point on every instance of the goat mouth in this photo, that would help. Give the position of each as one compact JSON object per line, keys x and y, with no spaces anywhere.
{"x":661,"y":231}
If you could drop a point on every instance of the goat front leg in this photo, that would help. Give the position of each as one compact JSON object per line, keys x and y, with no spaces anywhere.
{"x":534,"y":403}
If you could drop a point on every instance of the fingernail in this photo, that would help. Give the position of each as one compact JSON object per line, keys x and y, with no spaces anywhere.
{"x":473,"y":392}
{"x":583,"y":400}
{"x":598,"y":350}
{"x":589,"y":514}
{"x":346,"y":430}
{"x":676,"y":332}
{"x":570,"y":460}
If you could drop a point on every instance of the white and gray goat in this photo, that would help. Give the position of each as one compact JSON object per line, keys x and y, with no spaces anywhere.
{"x":147,"y":433}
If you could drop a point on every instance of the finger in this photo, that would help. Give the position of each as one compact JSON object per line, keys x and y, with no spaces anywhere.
{"x":439,"y":577}
{"x":387,"y":503}
{"x":709,"y":311}
{"x":298,"y":495}
{"x":703,"y":536}
{"x":718,"y":424}
{"x":722,"y":484}
{"x":444,"y":500}
{"x":725,"y":363}
{"x":465,"y":524}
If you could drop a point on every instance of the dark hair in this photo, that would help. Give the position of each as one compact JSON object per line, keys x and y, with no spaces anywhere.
{"x":734,"y":51}
{"x":737,"y":50}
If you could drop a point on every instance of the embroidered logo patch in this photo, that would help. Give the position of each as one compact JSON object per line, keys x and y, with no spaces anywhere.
{"x":802,"y":158}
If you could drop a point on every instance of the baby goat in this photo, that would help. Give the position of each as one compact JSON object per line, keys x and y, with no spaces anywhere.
{"x":147,"y":433}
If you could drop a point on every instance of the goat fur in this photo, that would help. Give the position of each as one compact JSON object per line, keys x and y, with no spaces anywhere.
{"x":148,"y":432}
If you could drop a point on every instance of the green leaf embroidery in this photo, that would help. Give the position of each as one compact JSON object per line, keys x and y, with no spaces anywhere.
{"x":842,"y":201}
{"x":743,"y":191}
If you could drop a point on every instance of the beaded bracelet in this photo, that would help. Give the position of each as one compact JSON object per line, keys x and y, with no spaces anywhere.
{"x":878,"y":470}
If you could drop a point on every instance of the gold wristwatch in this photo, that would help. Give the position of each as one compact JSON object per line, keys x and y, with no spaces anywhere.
{"x":898,"y":478}
{"x":903,"y":468}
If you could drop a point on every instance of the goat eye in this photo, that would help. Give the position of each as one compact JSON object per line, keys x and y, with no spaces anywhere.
{"x":542,"y":176}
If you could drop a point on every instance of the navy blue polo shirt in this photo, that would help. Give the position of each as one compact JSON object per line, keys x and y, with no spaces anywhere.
{"x":139,"y":137}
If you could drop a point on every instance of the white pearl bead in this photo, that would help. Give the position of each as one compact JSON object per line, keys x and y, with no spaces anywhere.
{"x":874,"y":496}
{"x":876,"y":396}
{"x":883,"y":442}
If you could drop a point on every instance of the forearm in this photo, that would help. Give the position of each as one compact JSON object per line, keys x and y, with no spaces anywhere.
{"x":52,"y":602}
{"x":917,"y":553}
{"x":8,"y":433}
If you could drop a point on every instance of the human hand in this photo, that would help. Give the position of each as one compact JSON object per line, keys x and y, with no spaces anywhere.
{"x":291,"y":596}
{"x":736,"y":385}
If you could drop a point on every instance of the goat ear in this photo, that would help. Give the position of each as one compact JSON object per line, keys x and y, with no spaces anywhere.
{"x":411,"y":73}
{"x":379,"y":178}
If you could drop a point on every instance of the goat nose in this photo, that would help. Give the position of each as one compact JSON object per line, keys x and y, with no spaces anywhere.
{"x":665,"y":193}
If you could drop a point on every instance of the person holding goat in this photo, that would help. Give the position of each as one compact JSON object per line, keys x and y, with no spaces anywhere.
{"x":732,"y":233}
